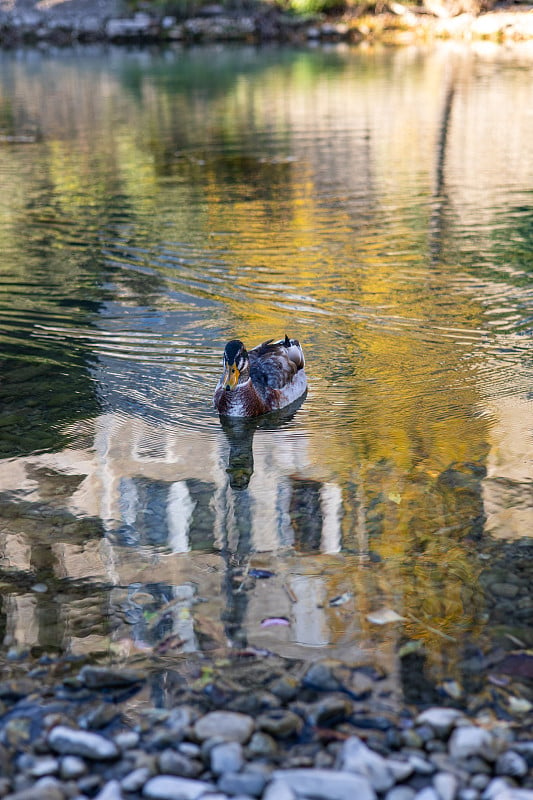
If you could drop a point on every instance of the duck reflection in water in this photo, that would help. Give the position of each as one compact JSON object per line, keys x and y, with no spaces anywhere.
{"x":240,"y":434}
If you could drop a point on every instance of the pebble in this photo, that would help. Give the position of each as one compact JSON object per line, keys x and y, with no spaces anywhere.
{"x":499,"y":789}
{"x":325,"y":784}
{"x":106,"y":677}
{"x":72,"y":767}
{"x":126,"y":740}
{"x":400,"y":770}
{"x":173,"y":763}
{"x":507,"y":590}
{"x":70,"y":741}
{"x":400,"y":793}
{"x":321,"y":675}
{"x":226,"y":757}
{"x":280,"y":723}
{"x":420,"y":765}
{"x":44,"y":789}
{"x":446,"y":785}
{"x":427,"y":793}
{"x":135,"y":780}
{"x":479,"y":782}
{"x":165,"y":787}
{"x":279,"y":790}
{"x":357,"y":757}
{"x":242,"y":783}
{"x":512,"y":764}
{"x":469,"y":740}
{"x":262,"y":744}
{"x":441,"y":720}
{"x":468,"y":794}
{"x":44,"y":766}
{"x":111,"y":791}
{"x":230,"y":725}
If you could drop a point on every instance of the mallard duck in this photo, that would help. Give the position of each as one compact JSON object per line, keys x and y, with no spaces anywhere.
{"x":269,"y":377}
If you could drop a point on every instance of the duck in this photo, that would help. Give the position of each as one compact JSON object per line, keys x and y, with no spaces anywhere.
{"x":264,"y":379}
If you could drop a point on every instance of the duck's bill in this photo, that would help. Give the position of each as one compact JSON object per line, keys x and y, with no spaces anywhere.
{"x":231,"y":377}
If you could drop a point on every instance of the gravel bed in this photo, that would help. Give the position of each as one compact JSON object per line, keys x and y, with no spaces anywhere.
{"x":254,"y":727}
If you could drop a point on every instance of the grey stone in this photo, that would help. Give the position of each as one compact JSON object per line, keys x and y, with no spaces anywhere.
{"x":400,"y":793}
{"x":44,"y":766}
{"x":356,"y":757}
{"x":190,"y":749}
{"x":106,"y":677}
{"x":126,"y":740}
{"x":262,"y":744}
{"x":325,"y":784}
{"x":400,"y":770}
{"x":230,"y":725}
{"x":322,"y":676}
{"x":245,"y":783}
{"x":226,"y":757}
{"x":111,"y":791}
{"x":501,"y":589}
{"x":278,"y":790}
{"x":479,"y":782}
{"x":427,"y":793}
{"x":445,"y":784}
{"x":86,"y":744}
{"x":421,"y":765}
{"x":512,"y":764}
{"x":173,"y":763}
{"x":72,"y":767}
{"x":468,"y":794}
{"x":476,"y":764}
{"x":441,"y":720}
{"x":166,"y":787}
{"x":280,"y":723}
{"x":44,"y":789}
{"x":135,"y":780}
{"x":469,"y":740}
{"x":499,"y":789}
{"x":125,"y":28}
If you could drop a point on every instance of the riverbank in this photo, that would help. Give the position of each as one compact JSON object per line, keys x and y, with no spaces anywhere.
{"x":26,"y":22}
{"x":251,"y":725}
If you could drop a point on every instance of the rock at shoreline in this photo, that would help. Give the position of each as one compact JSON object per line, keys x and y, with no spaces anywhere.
{"x":69,"y":741}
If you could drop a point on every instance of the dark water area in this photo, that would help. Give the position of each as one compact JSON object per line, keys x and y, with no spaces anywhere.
{"x":374,"y":203}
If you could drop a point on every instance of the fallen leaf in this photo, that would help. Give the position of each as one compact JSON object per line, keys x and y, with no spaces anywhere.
{"x":383,"y":616}
{"x":270,"y":621}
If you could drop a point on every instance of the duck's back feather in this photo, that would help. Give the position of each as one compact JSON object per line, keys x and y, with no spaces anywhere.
{"x":274,"y":364}
{"x":277,"y":378}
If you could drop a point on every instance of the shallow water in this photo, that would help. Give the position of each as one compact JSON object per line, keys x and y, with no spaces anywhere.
{"x":374,"y":203}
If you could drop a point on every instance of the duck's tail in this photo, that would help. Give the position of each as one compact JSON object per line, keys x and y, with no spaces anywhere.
{"x":295,"y":352}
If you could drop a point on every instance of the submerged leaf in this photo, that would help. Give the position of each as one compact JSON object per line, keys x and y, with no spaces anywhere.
{"x":267,"y":623}
{"x":383,"y":616}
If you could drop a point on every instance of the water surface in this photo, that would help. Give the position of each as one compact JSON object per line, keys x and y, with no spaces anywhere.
{"x":374,"y":203}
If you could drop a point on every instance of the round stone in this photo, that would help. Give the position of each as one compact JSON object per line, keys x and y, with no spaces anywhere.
{"x":226,"y":757}
{"x":511,"y":764}
{"x":230,"y":725}
{"x":86,"y":744}
{"x":280,"y":723}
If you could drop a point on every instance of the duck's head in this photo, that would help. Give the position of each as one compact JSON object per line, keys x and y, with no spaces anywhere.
{"x":236,"y":364}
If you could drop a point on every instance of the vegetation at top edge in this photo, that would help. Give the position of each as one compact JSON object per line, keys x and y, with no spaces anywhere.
{"x":301,"y":8}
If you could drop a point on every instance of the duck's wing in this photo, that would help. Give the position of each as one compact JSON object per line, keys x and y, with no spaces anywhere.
{"x":274,"y":364}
